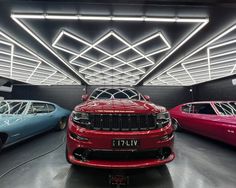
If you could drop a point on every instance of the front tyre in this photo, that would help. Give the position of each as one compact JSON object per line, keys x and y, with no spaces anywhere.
{"x":67,"y":158}
{"x":1,"y":143}
{"x":62,"y":124}
{"x":176,"y":125}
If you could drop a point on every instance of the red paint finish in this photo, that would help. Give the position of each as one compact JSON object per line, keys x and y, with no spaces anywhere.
{"x":118,"y":106}
{"x":217,"y":126}
{"x":101,"y":140}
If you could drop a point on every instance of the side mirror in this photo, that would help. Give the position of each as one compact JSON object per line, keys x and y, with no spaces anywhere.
{"x":85,"y":97}
{"x":147,"y":97}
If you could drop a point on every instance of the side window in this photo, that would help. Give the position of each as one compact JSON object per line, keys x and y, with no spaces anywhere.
{"x":3,"y":107}
{"x":17,"y":107}
{"x":22,"y":108}
{"x":51,"y":108}
{"x":226,"y":108}
{"x":186,"y":108}
{"x":38,"y":108}
{"x":202,"y":109}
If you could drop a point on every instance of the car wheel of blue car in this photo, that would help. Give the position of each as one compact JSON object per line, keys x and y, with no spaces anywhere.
{"x":62,"y":124}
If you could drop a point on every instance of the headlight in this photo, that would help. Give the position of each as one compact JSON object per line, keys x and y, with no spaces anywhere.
{"x":81,"y":118}
{"x":163,"y":118}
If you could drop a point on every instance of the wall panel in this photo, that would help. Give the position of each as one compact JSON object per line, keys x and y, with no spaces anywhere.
{"x":69,"y":96}
{"x":222,"y":89}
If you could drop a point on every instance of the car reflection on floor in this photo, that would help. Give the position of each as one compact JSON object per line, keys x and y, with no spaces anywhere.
{"x":91,"y":177}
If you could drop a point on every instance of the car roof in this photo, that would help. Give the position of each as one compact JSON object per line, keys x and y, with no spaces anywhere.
{"x":16,"y":100}
{"x":114,"y":87}
{"x":199,"y":102}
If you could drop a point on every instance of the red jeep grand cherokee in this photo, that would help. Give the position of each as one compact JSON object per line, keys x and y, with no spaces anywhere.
{"x":117,"y":128}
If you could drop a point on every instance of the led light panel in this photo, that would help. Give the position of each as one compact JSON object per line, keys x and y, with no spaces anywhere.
{"x":116,"y":72}
{"x":193,"y":70}
{"x":29,"y":68}
{"x":99,"y":71}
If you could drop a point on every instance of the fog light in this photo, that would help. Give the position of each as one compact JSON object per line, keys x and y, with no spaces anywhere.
{"x":77,"y":137}
{"x":166,"y":137}
{"x":166,"y":152}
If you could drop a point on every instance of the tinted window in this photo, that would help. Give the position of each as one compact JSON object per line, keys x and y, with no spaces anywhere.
{"x":226,"y":108}
{"x":12,"y":107}
{"x":116,"y":93}
{"x":51,"y":108}
{"x":3,"y":107}
{"x":202,"y":109}
{"x":186,"y":108}
{"x":38,"y":108}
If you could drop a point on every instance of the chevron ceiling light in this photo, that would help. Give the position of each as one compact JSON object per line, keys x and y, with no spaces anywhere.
{"x":29,"y":67}
{"x":116,"y":72}
{"x":100,"y":71}
{"x":192,"y":70}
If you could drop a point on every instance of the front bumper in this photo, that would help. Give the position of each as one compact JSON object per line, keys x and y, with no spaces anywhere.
{"x":151,"y":140}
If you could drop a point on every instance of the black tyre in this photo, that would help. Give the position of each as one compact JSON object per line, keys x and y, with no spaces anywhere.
{"x":67,"y":159}
{"x":176,"y":125}
{"x":1,"y":144}
{"x":62,"y":124}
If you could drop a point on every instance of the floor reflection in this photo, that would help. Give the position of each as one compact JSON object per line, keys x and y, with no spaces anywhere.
{"x":90,"y":177}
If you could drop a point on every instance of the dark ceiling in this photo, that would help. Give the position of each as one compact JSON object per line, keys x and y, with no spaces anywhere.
{"x":76,"y":49}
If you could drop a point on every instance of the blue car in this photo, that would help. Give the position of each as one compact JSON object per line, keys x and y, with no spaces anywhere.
{"x":21,"y":119}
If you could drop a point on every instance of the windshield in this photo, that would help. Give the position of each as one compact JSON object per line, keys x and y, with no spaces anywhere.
{"x":116,"y":93}
{"x":226,"y":108}
{"x":12,"y":107}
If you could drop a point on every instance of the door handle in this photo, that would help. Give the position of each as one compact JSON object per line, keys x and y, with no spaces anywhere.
{"x":230,"y":131}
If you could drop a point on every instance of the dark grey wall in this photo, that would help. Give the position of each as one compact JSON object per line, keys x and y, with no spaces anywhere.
{"x":6,"y":95}
{"x":168,"y":96}
{"x":65,"y":96}
{"x":69,"y":96}
{"x":222,"y":89}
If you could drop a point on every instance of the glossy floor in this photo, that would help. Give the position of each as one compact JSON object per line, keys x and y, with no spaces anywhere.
{"x":199,"y":163}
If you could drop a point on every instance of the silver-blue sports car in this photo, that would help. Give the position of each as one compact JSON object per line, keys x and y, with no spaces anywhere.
{"x":21,"y":119}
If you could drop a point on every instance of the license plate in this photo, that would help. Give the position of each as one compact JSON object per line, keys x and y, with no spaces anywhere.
{"x":119,"y":180}
{"x":125,"y":143}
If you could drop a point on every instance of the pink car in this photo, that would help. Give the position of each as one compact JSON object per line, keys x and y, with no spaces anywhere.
{"x":214,"y":119}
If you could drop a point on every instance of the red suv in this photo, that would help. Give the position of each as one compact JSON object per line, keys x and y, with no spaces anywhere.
{"x":118,"y":128}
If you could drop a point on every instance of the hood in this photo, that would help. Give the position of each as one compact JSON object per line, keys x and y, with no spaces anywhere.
{"x":7,"y":120}
{"x":119,"y":106}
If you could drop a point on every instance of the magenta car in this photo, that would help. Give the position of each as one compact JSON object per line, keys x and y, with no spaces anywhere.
{"x":214,"y":119}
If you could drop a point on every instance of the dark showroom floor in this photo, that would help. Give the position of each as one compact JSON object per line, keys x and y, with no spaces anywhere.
{"x":199,"y":163}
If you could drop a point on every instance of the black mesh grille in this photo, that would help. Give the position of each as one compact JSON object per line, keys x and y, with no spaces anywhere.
{"x":122,"y":122}
{"x":162,"y":153}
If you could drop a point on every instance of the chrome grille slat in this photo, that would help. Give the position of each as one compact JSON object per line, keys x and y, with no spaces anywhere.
{"x":123,"y":122}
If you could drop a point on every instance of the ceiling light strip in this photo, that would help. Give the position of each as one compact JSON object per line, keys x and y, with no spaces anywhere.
{"x":174,"y":78}
{"x":172,"y":51}
{"x":230,"y":29}
{"x":109,"y":55}
{"x":234,"y":68}
{"x":21,"y":46}
{"x":107,"y":18}
{"x":45,"y":45}
{"x":188,"y":73}
{"x":48,"y":77}
{"x":115,"y":18}
{"x":61,"y":80}
{"x":33,"y":72}
{"x":104,"y":52}
{"x":11,"y":54}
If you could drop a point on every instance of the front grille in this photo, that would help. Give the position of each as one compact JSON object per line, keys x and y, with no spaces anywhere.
{"x":123,"y":122}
